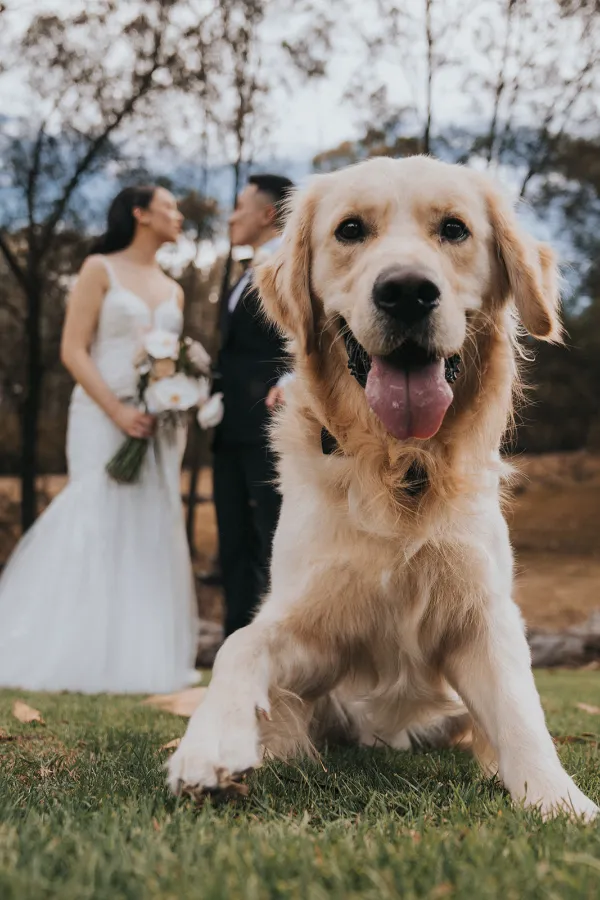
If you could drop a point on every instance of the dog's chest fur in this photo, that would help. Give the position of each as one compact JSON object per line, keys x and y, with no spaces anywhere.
{"x":393,"y":578}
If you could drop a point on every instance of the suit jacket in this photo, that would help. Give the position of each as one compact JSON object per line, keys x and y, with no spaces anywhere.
{"x":251,"y":360}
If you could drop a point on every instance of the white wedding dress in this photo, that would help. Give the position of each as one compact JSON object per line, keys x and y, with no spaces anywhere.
{"x":99,"y":594}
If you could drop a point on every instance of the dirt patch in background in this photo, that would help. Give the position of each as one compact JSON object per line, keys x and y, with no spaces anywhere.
{"x":554,"y":519}
{"x":556,"y":504}
{"x":557,"y":592}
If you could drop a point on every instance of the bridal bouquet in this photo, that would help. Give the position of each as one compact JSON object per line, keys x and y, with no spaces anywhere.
{"x":173,"y":377}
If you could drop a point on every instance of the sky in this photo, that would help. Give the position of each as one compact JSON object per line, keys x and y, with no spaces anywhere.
{"x":313,"y":117}
{"x":314,"y":120}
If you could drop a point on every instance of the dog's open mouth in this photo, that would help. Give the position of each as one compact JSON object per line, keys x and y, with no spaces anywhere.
{"x":408,"y":391}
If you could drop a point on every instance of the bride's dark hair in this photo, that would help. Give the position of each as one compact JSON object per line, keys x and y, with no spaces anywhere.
{"x":121,"y":222}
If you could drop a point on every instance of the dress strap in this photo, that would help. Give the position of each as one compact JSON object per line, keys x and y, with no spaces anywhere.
{"x":112,"y":278}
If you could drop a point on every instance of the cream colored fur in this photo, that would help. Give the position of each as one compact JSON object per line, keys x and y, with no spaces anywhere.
{"x":389,"y":616}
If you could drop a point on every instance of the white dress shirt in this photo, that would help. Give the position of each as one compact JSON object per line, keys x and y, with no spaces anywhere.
{"x":239,"y":290}
{"x":262,"y":251}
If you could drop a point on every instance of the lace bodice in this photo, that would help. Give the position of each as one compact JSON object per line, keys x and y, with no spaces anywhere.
{"x":124,"y":318}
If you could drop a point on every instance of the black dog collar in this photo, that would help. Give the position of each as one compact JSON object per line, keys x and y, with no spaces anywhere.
{"x":416,"y":482}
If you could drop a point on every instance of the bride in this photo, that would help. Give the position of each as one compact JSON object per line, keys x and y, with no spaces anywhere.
{"x":99,"y":594}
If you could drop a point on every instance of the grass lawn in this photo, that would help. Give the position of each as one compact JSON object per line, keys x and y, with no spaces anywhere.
{"x":84,"y":814}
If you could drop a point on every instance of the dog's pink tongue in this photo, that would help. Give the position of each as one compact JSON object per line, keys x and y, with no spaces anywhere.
{"x":410,"y":403}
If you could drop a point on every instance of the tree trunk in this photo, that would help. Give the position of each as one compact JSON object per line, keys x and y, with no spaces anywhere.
{"x":31,"y":405}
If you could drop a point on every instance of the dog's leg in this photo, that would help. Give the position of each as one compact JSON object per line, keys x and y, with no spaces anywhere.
{"x":492,"y":673}
{"x":223,"y":739}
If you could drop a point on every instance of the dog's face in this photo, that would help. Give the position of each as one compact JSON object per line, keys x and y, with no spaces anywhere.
{"x":406,"y":253}
{"x":401,"y":252}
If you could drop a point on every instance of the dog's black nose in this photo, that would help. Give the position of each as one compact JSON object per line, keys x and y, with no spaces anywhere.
{"x":405,"y":294}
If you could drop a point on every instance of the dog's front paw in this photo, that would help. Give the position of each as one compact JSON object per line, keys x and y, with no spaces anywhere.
{"x":195,"y":772}
{"x":215,"y":754}
{"x":562,"y":797}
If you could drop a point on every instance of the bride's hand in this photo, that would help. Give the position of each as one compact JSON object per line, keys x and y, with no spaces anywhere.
{"x":134,"y":423}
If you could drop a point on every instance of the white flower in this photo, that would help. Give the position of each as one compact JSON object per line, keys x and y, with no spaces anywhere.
{"x":197,"y":355}
{"x":211,"y":413}
{"x":161,"y":344}
{"x":176,"y":394}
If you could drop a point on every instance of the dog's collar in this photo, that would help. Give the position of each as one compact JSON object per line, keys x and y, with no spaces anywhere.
{"x":359,"y":361}
{"x":417,"y":480}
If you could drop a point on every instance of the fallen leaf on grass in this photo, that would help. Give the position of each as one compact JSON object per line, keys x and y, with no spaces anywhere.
{"x":586,"y":737}
{"x":26,"y":714}
{"x":588,"y":708}
{"x":415,"y":837}
{"x":172,"y":745}
{"x":4,"y":736}
{"x":182,"y":703}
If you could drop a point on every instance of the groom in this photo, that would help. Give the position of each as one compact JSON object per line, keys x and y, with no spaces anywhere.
{"x":250,"y":368}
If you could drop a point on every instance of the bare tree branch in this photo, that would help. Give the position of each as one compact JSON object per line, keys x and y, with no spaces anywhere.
{"x":501,"y":80}
{"x":97,"y":144}
{"x":551,"y":140}
{"x":429,"y":41}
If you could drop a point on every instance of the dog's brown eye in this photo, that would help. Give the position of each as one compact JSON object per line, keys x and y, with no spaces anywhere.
{"x":351,"y":230}
{"x":454,"y":230}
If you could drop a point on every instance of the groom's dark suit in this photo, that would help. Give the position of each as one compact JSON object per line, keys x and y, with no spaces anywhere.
{"x":251,"y":360}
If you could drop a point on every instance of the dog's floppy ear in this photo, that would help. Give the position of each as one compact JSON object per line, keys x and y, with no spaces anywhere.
{"x":530,"y":271}
{"x":284,"y":281}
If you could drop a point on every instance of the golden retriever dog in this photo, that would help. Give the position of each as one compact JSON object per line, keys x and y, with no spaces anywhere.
{"x":390,"y":615}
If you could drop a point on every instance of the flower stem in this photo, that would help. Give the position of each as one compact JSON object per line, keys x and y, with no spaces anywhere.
{"x":126,"y":465}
